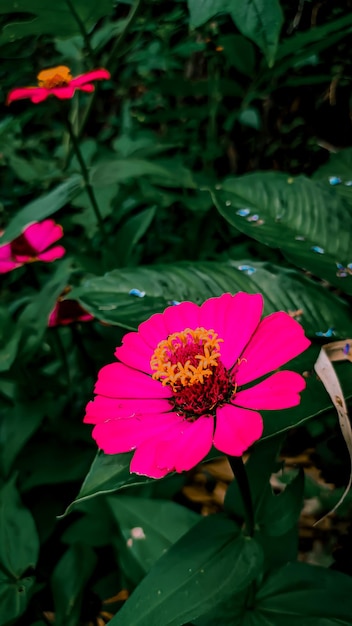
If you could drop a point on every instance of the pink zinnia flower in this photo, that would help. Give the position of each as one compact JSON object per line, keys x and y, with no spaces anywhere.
{"x":32,"y":245}
{"x":180,"y":383}
{"x":57,"y":81}
{"x":68,"y":311}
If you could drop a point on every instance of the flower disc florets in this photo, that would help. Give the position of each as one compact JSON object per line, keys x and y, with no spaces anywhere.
{"x":189,"y":362}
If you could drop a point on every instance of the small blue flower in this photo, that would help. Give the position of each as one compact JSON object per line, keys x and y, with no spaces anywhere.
{"x":329,"y":333}
{"x":318,"y":249}
{"x":335,"y":180}
{"x":243,"y":212}
{"x":247,"y":269}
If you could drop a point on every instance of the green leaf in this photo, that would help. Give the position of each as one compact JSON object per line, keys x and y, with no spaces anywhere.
{"x":203,"y":10}
{"x":166,"y":173}
{"x":260,"y":21}
{"x":149,"y":527}
{"x":130,"y":233}
{"x":108,"y":299}
{"x":43,"y":18}
{"x":108,"y":473}
{"x":282,"y":511}
{"x":33,"y":320}
{"x":338,"y":168}
{"x":42,"y":208}
{"x":209,"y":564}
{"x":311,"y":224}
{"x":303,"y":594}
{"x":17,"y":425}
{"x":14,"y":597}
{"x":9,"y":340}
{"x":19,"y":544}
{"x":68,"y":582}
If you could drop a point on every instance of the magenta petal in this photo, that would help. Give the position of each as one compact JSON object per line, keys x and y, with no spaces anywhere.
{"x":117,"y":380}
{"x":21,"y":93}
{"x":144,"y":461}
{"x":52,"y":255}
{"x":40,"y":94}
{"x":278,"y":339}
{"x":188,"y":446}
{"x":236,"y":429}
{"x":41,"y":235}
{"x":184,"y":315}
{"x":102,"y":409}
{"x":235,"y":319}
{"x":135,"y":352}
{"x":99,"y":74}
{"x":153,"y":330}
{"x":8,"y":266}
{"x":279,"y":391}
{"x":63,"y":93}
{"x":123,"y":435}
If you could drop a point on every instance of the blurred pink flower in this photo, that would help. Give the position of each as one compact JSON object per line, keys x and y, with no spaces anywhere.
{"x":68,"y":311}
{"x":32,"y":245}
{"x":179,"y":384}
{"x":57,"y":81}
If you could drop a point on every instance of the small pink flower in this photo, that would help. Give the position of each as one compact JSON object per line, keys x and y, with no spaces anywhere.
{"x":58,"y":81}
{"x":68,"y":311}
{"x":180,"y":383}
{"x":32,"y":245}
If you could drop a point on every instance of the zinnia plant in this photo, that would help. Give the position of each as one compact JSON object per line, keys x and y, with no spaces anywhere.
{"x":34,"y":244}
{"x":59,"y":82}
{"x":184,"y":383}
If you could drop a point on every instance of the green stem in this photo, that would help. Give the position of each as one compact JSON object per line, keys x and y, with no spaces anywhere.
{"x":82,"y":29}
{"x":240,"y":473}
{"x":111,"y":61}
{"x":85,"y":174}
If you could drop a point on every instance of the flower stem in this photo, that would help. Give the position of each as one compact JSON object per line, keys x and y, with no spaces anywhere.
{"x":82,"y":29}
{"x":240,"y":473}
{"x":85,"y":174}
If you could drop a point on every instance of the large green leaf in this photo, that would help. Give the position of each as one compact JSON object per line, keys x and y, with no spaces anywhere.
{"x":39,"y":17}
{"x":302,"y":594}
{"x":209,"y":564}
{"x":108,"y":473}
{"x":259,"y":20}
{"x":166,"y":172}
{"x":19,"y":548}
{"x":108,"y":299}
{"x":311,"y":224}
{"x":68,"y":581}
{"x":43,"y":207}
{"x":148,"y":528}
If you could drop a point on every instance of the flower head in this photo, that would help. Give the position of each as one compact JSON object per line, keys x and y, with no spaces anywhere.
{"x":32,"y":245}
{"x":67,"y":312}
{"x":180,"y":383}
{"x":57,"y":81}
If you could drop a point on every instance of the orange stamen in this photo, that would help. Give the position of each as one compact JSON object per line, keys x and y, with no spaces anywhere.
{"x":59,"y":76}
{"x":186,"y":358}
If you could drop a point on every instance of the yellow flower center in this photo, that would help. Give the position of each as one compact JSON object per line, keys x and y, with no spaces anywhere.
{"x":59,"y":76}
{"x":186,"y":358}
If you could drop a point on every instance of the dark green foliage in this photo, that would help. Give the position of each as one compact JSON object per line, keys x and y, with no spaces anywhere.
{"x":219,"y":157}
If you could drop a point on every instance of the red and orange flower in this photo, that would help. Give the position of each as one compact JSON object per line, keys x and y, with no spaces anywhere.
{"x":59,"y":82}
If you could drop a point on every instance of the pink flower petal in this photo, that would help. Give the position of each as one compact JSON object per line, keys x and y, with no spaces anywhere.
{"x":102,"y":409}
{"x":154,"y":330}
{"x":188,"y":446}
{"x":63,"y":93}
{"x":41,"y":235}
{"x":117,"y":380}
{"x":135,"y":352}
{"x":144,"y":461}
{"x":5,"y":252}
{"x":40,"y":94}
{"x":20,"y":93}
{"x":236,"y":429}
{"x":184,"y":315}
{"x":52,"y":255}
{"x":235,"y":319}
{"x":278,"y":339}
{"x":99,"y":74}
{"x":279,"y":391}
{"x":123,"y":435}
{"x":8,"y":266}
